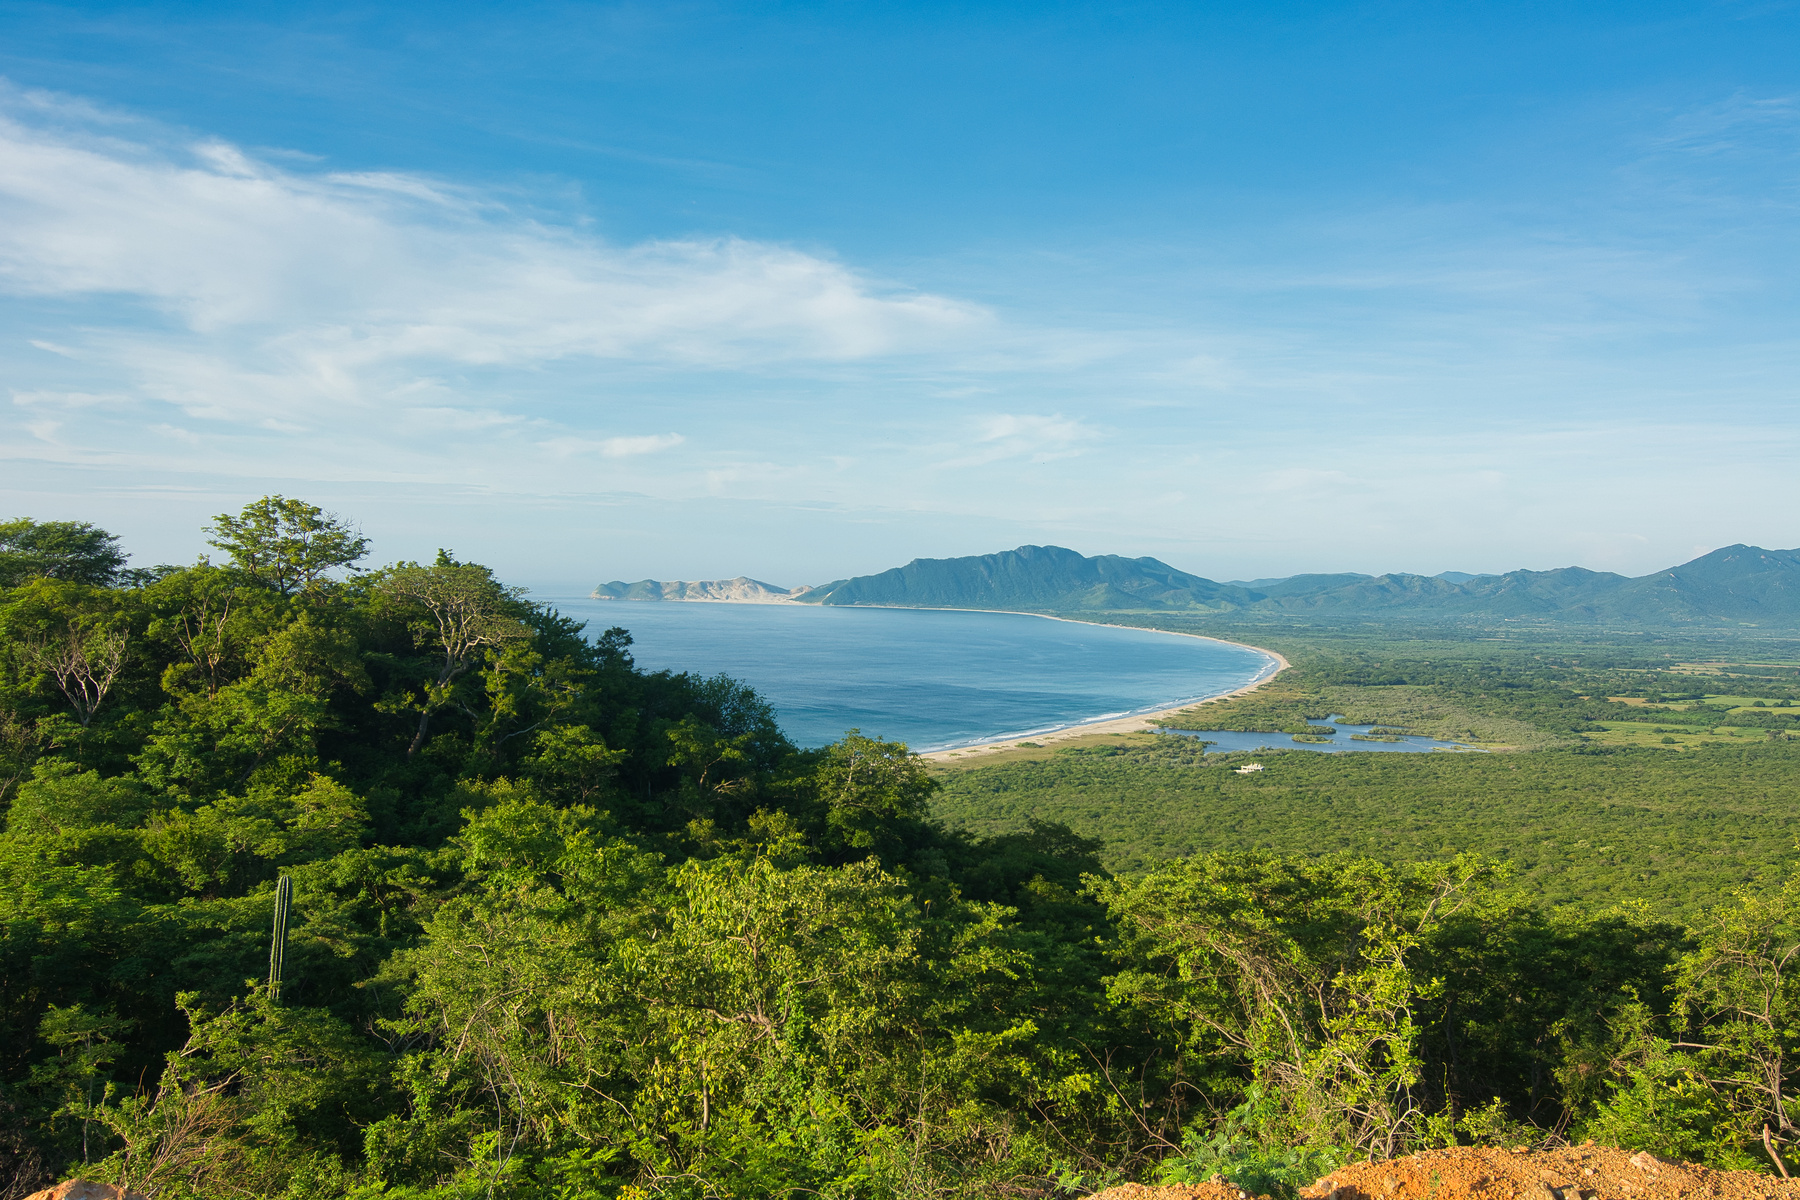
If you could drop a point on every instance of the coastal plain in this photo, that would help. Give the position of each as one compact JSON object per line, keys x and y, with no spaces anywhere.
{"x":1641,"y":737}
{"x":1583,"y":797}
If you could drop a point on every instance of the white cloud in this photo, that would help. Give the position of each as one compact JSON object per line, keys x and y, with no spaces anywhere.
{"x":462,"y":420}
{"x":242,"y":319}
{"x":612,"y":447}
{"x":316,"y":291}
{"x":47,"y":399}
{"x":1737,"y":122}
{"x":1013,"y":430}
{"x":1034,"y":438}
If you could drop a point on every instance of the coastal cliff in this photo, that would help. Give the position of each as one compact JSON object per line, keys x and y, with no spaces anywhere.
{"x":742,"y":590}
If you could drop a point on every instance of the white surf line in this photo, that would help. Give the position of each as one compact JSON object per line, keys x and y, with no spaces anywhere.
{"x":1135,"y":723}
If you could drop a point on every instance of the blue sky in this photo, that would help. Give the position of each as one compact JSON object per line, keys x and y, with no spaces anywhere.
{"x":799,"y":291}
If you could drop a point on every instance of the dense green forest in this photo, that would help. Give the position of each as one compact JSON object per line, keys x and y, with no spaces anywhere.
{"x":1670,"y":830}
{"x":1621,"y":770}
{"x":318,"y":881}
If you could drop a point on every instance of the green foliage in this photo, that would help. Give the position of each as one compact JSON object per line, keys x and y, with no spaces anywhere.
{"x":85,"y":1046}
{"x":1493,"y":1124}
{"x":560,"y":926}
{"x":1718,"y":1079}
{"x":288,"y":545}
{"x":728,"y":1020}
{"x":464,"y":612}
{"x":1583,"y":821}
{"x":1585,"y":829}
{"x":557,"y":922}
{"x":1303,"y":974}
{"x":259,"y":1097}
{"x":872,"y":794}
{"x":1237,"y":1150}
{"x":1660,"y":1103}
{"x":73,"y":551}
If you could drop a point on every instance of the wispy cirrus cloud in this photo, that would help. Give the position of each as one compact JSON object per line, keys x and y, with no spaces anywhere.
{"x":612,"y":447}
{"x":343,"y":286}
{"x":1029,"y":437}
{"x":48,"y":399}
{"x":189,"y":314}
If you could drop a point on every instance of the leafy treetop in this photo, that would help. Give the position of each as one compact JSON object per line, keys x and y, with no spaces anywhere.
{"x":74,"y":551}
{"x":289,"y":545}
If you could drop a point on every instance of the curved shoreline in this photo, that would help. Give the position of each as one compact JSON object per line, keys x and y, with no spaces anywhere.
{"x":1134,"y":723}
{"x":1137,"y":722}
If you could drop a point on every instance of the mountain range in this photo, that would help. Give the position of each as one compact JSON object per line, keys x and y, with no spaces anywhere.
{"x":1734,"y":585}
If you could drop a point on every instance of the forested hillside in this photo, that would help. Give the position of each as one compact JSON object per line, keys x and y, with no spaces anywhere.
{"x":1736,"y":585}
{"x":318,"y":881}
{"x":1036,"y":578}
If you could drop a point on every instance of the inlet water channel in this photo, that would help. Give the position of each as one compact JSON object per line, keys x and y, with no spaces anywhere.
{"x":1342,"y":738}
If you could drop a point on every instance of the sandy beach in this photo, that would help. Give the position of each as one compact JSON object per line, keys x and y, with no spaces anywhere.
{"x":1136,"y":723}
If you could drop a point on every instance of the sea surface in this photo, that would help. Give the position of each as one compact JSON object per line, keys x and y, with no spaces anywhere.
{"x":931,"y":678}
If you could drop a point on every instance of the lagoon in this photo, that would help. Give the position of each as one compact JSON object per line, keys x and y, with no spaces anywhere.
{"x":932,"y":678}
{"x":1340,"y":737}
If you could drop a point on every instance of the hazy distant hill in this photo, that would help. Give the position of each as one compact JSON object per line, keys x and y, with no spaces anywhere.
{"x":1035,"y":577}
{"x":1746,"y":583}
{"x":1736,"y":584}
{"x":1302,"y":585}
{"x":1567,"y":591}
{"x":742,"y":590}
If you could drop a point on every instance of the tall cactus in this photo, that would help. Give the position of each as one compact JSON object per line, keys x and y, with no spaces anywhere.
{"x":284,"y":899}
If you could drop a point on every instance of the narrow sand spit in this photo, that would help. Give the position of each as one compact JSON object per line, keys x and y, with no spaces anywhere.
{"x":1136,"y":723}
{"x":1587,"y":1172}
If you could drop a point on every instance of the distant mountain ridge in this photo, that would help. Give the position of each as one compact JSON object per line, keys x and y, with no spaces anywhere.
{"x":742,"y":590}
{"x":1735,"y":584}
{"x":1041,"y":577}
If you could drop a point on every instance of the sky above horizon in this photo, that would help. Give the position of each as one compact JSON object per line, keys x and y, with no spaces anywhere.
{"x":804,"y":291}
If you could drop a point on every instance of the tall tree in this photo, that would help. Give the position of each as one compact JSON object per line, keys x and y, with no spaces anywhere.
{"x":84,"y":663}
{"x":74,"y":551}
{"x":289,"y":545}
{"x":469,"y":608}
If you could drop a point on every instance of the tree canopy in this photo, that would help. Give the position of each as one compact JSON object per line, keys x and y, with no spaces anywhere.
{"x":288,"y":545}
{"x":561,"y":926}
{"x":74,"y":551}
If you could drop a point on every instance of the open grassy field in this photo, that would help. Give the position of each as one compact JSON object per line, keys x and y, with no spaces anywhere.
{"x":1729,"y":703}
{"x":1660,"y":735}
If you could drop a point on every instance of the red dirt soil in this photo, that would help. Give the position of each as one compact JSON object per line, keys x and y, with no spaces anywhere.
{"x":82,"y":1189}
{"x":1177,"y":1191}
{"x":1484,"y":1173}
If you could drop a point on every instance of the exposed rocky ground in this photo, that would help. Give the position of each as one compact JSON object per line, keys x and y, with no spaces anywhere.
{"x":83,"y":1189}
{"x":1485,"y":1173}
{"x":1179,"y":1191}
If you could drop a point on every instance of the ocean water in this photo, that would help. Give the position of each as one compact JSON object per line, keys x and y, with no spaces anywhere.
{"x":931,"y":678}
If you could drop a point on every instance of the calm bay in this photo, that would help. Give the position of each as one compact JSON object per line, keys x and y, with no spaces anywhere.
{"x":931,"y":678}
